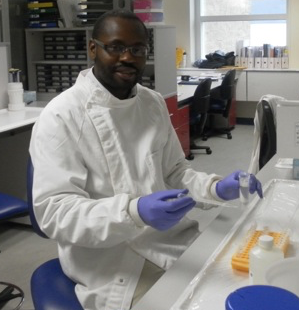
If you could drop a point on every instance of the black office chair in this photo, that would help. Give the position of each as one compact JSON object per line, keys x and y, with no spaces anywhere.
{"x":198,"y":114}
{"x":268,"y":135}
{"x":50,"y":287}
{"x":11,"y":207}
{"x":221,"y":98}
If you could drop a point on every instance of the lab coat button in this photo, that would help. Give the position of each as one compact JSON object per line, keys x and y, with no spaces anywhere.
{"x":121,"y":280}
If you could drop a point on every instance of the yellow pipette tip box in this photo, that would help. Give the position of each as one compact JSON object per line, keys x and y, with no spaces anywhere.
{"x":240,"y":260}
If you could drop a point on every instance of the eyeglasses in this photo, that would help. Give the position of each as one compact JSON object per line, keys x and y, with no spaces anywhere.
{"x":117,"y":49}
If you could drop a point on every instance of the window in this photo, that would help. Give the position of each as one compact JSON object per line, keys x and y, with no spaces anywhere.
{"x":219,"y":24}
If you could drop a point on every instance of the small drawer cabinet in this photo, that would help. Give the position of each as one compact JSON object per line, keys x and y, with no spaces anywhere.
{"x":180,"y":120}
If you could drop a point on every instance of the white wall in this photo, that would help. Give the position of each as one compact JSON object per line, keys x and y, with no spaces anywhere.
{"x":3,"y":76}
{"x":177,"y":13}
{"x":293,"y":33}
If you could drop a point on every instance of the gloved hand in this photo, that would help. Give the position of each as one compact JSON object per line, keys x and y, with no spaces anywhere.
{"x":163,"y":209}
{"x":228,"y":188}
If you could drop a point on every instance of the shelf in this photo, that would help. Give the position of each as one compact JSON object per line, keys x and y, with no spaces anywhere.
{"x":149,"y":11}
{"x":149,"y":24}
{"x":60,"y":62}
{"x":159,"y":73}
{"x":58,"y":29}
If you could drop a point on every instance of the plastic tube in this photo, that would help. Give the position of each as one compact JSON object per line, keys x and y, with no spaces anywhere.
{"x":244,"y":178}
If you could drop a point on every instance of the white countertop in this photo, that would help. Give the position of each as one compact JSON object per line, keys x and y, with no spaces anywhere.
{"x":15,"y":119}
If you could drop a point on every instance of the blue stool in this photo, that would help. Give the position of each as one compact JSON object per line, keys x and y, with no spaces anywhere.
{"x":51,"y":289}
{"x":12,"y":207}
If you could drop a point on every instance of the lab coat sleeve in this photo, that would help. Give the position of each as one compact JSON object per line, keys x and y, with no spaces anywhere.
{"x":63,"y":208}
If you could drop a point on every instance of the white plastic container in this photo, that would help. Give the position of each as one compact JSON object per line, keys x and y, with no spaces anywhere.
{"x":15,"y":93}
{"x":284,"y":274}
{"x":261,"y":297}
{"x":261,"y":257}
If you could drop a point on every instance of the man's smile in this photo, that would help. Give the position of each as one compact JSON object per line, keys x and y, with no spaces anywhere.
{"x":126,"y":73}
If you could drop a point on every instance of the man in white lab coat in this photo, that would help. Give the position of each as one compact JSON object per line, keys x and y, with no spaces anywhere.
{"x":107,"y":169}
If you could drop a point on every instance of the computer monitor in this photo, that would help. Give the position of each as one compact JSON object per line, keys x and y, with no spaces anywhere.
{"x":287,"y":118}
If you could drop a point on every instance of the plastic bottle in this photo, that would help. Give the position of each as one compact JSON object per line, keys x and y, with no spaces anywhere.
{"x":184,"y":61}
{"x":260,"y":257}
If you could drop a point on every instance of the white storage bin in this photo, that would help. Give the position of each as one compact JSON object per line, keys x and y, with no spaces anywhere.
{"x":147,"y":4}
{"x":150,"y":17}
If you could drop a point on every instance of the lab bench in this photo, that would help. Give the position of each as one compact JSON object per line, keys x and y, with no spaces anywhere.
{"x":15,"y":134}
{"x":215,"y":225}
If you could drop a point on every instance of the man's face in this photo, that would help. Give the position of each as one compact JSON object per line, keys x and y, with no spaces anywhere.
{"x":119,"y":73}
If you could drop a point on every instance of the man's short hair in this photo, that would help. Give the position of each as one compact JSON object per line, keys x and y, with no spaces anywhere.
{"x":126,"y":14}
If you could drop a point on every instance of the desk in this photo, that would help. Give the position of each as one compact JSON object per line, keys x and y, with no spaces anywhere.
{"x":179,"y":112}
{"x":10,"y":120}
{"x":186,"y":92}
{"x":170,"y":286}
{"x":15,"y":133}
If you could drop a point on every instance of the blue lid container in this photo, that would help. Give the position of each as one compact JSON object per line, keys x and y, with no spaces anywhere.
{"x":261,"y":297}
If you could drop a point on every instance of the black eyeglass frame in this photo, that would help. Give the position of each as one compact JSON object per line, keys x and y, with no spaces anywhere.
{"x":119,"y":49}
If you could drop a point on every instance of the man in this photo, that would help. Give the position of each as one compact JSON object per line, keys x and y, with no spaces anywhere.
{"x":110,"y":177}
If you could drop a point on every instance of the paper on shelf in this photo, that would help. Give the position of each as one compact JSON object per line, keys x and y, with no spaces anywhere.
{"x":67,"y":10}
{"x":285,"y":163}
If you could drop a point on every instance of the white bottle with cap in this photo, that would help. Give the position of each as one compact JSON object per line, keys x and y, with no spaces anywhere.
{"x":15,"y":93}
{"x":260,"y":258}
{"x":184,"y":61}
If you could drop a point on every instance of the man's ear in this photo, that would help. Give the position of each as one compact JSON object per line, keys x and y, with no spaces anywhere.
{"x":92,"y":49}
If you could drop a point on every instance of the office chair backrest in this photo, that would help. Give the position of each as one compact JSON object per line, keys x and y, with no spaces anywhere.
{"x":199,"y":107}
{"x":227,"y":90}
{"x":268,"y":135}
{"x":227,"y":85}
{"x":34,"y":223}
{"x":201,"y":98}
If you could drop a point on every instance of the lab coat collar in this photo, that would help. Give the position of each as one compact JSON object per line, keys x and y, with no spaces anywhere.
{"x":100,"y":95}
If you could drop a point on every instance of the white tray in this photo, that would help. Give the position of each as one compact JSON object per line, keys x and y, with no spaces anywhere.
{"x":279,"y":211}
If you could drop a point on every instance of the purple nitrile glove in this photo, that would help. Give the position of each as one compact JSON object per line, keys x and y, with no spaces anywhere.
{"x":229,"y":187}
{"x":164,"y":209}
{"x":255,"y":186}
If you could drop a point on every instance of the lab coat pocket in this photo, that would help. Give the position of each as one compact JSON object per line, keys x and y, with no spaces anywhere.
{"x":154,"y":165}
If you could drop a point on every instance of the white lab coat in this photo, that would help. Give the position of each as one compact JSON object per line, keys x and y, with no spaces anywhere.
{"x":93,"y":156}
{"x":273,"y":100}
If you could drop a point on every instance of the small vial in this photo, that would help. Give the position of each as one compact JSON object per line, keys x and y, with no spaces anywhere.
{"x":260,"y":258}
{"x":244,"y":179}
{"x":181,"y":195}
